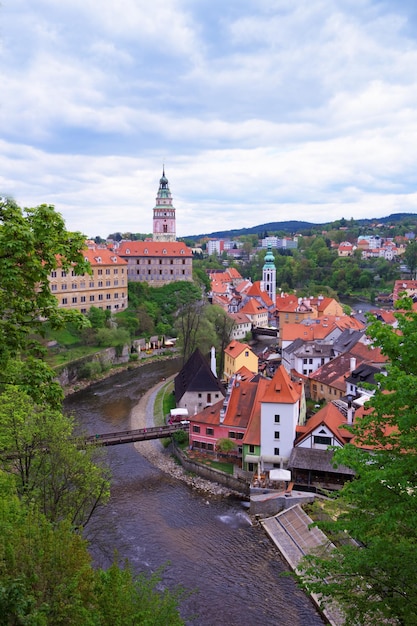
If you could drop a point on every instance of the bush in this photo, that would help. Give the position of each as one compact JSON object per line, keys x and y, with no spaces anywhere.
{"x":90,"y":369}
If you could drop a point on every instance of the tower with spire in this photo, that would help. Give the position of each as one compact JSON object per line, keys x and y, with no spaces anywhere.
{"x":269,"y":275}
{"x":164,"y":213}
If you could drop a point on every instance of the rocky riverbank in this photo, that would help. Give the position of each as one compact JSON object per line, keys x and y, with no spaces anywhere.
{"x":142,"y":416}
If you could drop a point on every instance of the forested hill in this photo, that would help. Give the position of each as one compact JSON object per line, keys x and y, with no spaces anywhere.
{"x":294,"y":226}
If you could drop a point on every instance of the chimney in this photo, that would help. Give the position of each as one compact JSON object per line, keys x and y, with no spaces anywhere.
{"x":213,"y":360}
{"x":352,"y":364}
{"x":350,"y":410}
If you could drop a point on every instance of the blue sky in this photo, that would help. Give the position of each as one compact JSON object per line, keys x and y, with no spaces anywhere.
{"x":262,"y":110}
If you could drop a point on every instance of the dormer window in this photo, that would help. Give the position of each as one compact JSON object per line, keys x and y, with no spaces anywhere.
{"x":127,"y":250}
{"x":97,"y":259}
{"x":164,"y":251}
{"x":145,"y":251}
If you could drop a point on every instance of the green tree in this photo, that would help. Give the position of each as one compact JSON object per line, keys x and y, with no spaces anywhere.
{"x":410,"y":257}
{"x":223,"y":325}
{"x":374,"y":579}
{"x":46,"y":576}
{"x":39,"y":449}
{"x":33,"y":243}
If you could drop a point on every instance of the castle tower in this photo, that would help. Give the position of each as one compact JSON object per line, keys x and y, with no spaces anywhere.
{"x":269,"y":275}
{"x":164,"y":213}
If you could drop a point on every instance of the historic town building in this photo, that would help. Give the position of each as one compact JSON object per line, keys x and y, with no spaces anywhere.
{"x":104,"y":288}
{"x":164,"y":259}
{"x":164,"y":213}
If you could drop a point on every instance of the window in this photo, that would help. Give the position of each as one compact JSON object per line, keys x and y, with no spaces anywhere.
{"x":54,"y":287}
{"x":100,"y":296}
{"x":107,"y":272}
{"x":116,"y":295}
{"x":74,"y":286}
{"x":276,"y":434}
{"x":196,"y":429}
{"x":63,"y":274}
{"x":63,"y":287}
{"x":99,"y":272}
{"x":91,"y":298}
{"x":251,"y":449}
{"x":115,"y":271}
{"x":74,"y":300}
{"x":91,"y":284}
{"x":53,"y":274}
{"x":64,"y":300}
{"x":232,"y":435}
{"x":276,"y":451}
{"x":100,"y":283}
{"x":108,"y":283}
{"x":209,"y":431}
{"x":277,"y":419}
{"x":108,"y":296}
{"x":324,"y":441}
{"x":115,"y":282}
{"x":82,"y":298}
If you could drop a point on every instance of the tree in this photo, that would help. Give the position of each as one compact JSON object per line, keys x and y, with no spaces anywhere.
{"x":410,"y":257}
{"x":374,"y":579}
{"x":188,"y":323}
{"x":32,"y":245}
{"x":223,"y":325}
{"x":39,"y":449}
{"x":46,"y":576}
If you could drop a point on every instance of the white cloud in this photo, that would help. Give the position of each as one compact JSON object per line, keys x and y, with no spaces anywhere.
{"x":261,"y":113}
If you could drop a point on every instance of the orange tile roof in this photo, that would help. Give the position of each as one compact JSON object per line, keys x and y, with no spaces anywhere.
{"x":235,"y":348}
{"x":253,"y":308}
{"x":282,"y":389}
{"x":209,"y":415}
{"x":331,"y":417}
{"x":240,"y":318}
{"x":255,"y":291}
{"x":102,"y":256}
{"x":153,"y":248}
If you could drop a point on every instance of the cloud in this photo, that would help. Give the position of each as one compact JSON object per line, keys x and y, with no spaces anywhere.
{"x":261,"y":112}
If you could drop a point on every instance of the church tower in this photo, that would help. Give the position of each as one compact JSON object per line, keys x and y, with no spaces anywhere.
{"x":164,"y":213}
{"x":269,"y":275}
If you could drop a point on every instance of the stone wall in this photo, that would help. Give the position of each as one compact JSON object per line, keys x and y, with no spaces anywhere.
{"x":70,"y":373}
{"x":231,"y":482}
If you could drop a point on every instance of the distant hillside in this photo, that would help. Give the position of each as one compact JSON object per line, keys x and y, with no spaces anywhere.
{"x":294,"y":226}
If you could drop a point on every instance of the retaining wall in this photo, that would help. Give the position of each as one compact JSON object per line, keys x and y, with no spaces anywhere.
{"x":229,"y":481}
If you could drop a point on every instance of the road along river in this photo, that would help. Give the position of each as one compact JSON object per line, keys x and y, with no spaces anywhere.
{"x":206,"y":543}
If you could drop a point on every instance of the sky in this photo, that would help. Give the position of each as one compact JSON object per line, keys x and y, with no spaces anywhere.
{"x":260,"y":110}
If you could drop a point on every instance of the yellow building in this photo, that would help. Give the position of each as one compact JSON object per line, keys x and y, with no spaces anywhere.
{"x":105,"y":288}
{"x":239,"y":355}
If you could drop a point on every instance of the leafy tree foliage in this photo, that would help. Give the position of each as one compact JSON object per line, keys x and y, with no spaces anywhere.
{"x":46,"y":576}
{"x":375,"y":579}
{"x":32,"y":244}
{"x":39,"y":449}
{"x":410,"y":257}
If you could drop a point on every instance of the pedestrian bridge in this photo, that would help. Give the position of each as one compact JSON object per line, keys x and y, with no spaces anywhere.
{"x":140,"y":434}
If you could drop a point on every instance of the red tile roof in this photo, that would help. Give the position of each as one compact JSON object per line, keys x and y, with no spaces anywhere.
{"x":154,"y":249}
{"x":282,"y":389}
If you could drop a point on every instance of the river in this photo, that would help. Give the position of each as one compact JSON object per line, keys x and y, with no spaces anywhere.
{"x":206,"y":544}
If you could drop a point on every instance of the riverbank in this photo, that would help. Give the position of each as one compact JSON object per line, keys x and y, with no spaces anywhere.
{"x":131,"y":365}
{"x":142,"y":416}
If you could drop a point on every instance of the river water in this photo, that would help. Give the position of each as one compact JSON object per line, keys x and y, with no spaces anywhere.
{"x":206,"y":544}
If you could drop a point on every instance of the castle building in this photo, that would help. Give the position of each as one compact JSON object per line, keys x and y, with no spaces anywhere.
{"x":104,"y":288}
{"x":164,"y":259}
{"x":164,"y":213}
